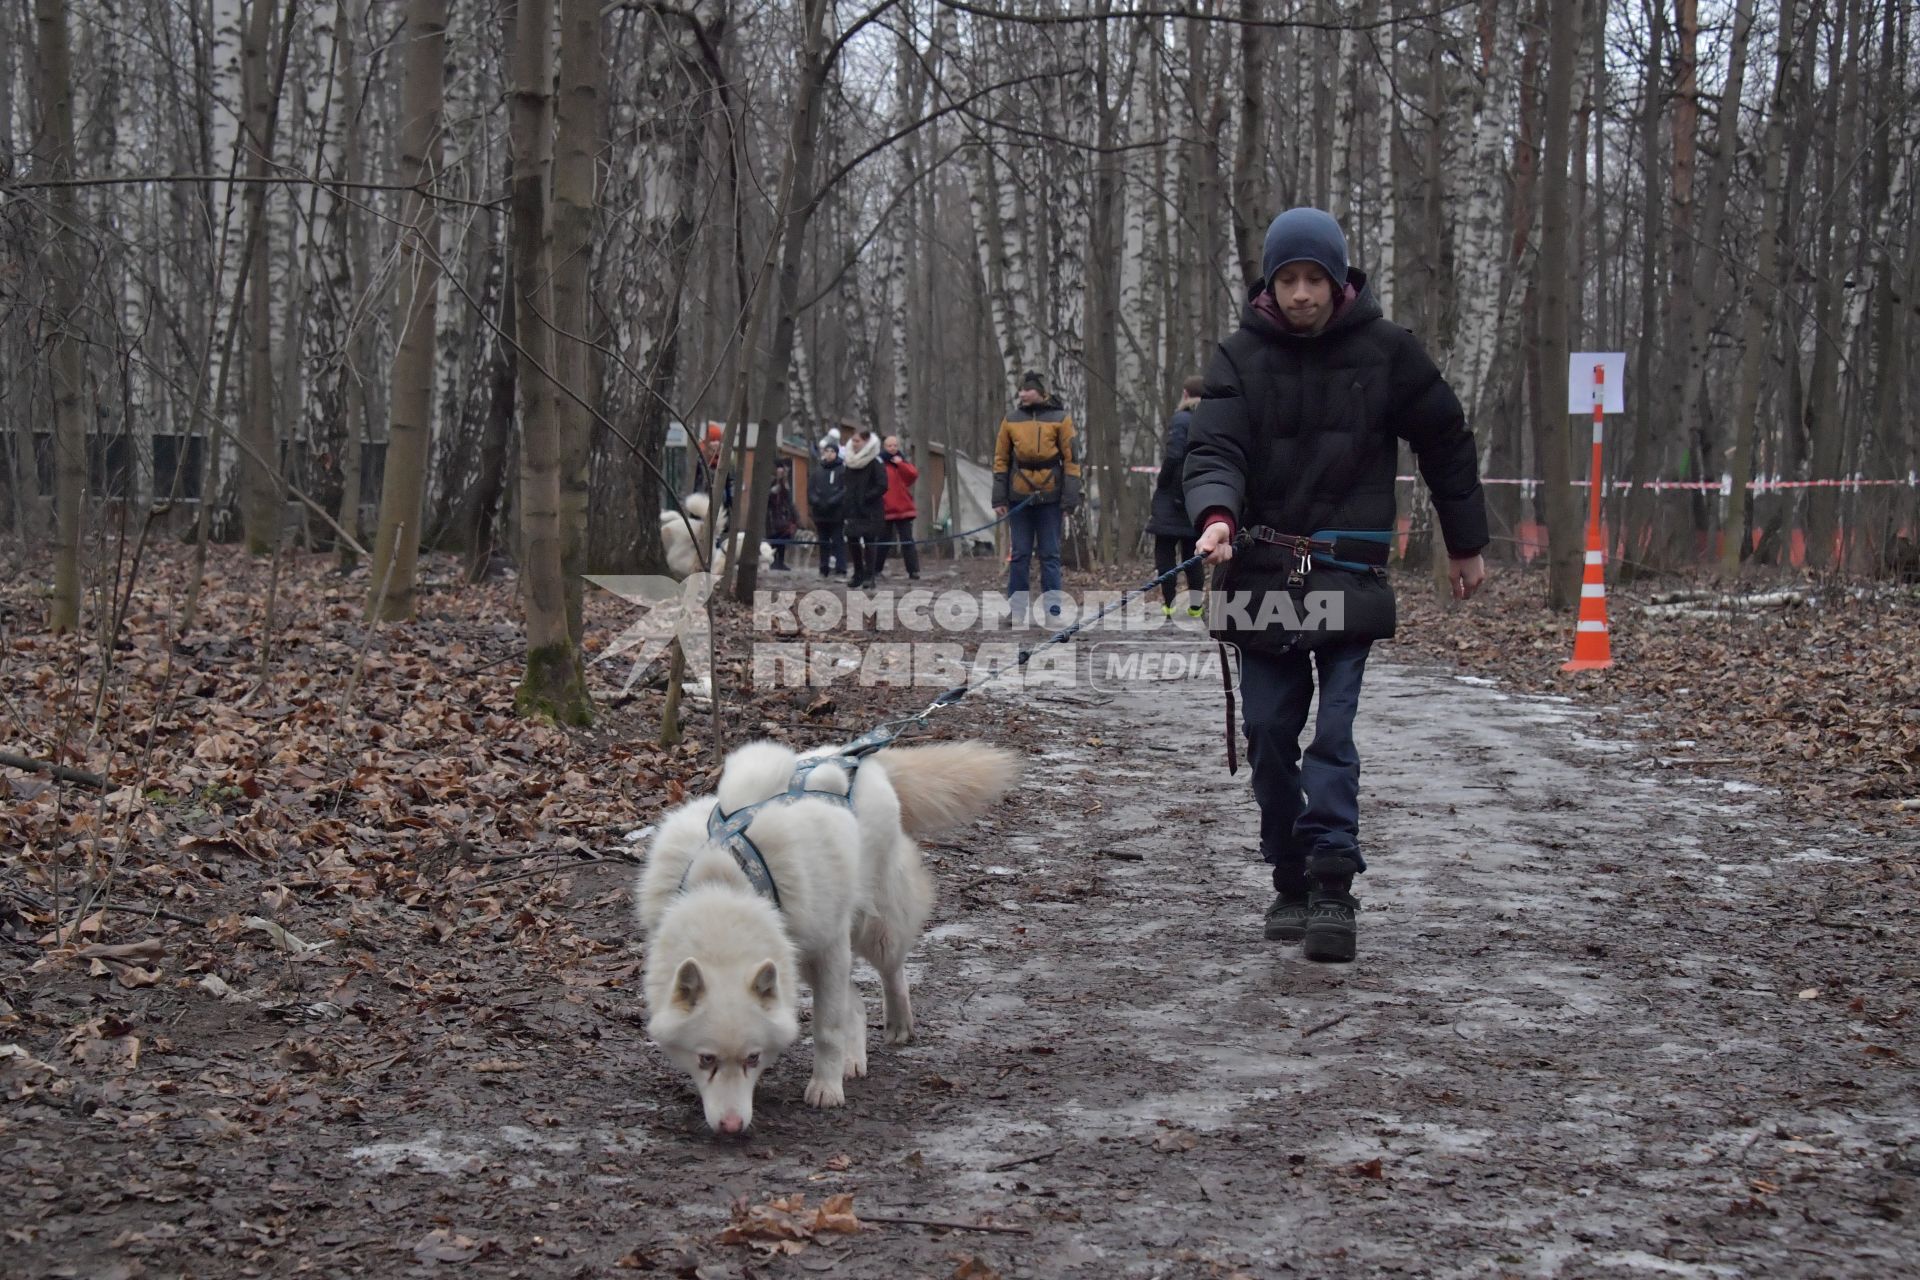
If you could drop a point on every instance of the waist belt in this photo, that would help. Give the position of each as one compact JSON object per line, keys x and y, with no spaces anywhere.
{"x":1354,"y":549}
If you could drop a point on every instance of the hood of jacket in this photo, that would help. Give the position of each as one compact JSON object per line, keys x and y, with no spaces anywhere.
{"x":1355,"y":306}
{"x":1047,"y":402}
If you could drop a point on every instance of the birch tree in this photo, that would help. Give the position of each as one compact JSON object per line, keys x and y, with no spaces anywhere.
{"x":410,"y":422}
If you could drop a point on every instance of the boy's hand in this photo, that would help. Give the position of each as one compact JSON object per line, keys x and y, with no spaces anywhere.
{"x":1466,"y":573}
{"x":1216,"y":542}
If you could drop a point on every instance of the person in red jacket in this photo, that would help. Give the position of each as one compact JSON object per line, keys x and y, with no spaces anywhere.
{"x":900,"y":509}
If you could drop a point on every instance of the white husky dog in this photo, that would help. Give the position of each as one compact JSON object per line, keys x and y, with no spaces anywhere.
{"x":724,"y":963}
{"x":682,"y":545}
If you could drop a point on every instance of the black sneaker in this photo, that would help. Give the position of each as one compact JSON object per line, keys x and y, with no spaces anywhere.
{"x":1287,"y":918}
{"x":1330,"y":930}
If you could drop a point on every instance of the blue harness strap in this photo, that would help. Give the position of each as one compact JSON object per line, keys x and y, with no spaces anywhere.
{"x":729,"y":830}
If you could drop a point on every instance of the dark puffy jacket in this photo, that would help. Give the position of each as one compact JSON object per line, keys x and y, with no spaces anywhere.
{"x":866,"y":510}
{"x":782,"y":517}
{"x":1169,"y":518}
{"x":1299,"y":433}
{"x":827,"y":492}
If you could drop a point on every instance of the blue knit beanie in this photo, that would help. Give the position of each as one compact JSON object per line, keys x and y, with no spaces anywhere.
{"x":1305,"y":235}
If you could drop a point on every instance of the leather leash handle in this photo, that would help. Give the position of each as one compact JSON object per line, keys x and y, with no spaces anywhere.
{"x":1226,"y":684}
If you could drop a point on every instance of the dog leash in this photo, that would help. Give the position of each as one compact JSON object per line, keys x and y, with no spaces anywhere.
{"x":916,"y":542}
{"x":729,"y":830}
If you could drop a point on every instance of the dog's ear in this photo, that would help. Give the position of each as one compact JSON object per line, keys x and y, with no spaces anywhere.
{"x":688,"y":985}
{"x":766,"y":982}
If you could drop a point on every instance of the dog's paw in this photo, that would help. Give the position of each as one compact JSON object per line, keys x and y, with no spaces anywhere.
{"x":900,"y":1034}
{"x":856,"y":1067}
{"x":825,"y":1093}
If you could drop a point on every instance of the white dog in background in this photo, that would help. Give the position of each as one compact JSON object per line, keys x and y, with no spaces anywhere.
{"x":682,"y":544}
{"x":724,"y":964}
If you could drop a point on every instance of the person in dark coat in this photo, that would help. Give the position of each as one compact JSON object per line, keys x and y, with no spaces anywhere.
{"x":1297,"y":436}
{"x":783,"y":518}
{"x":866,"y":506}
{"x":1172,"y":530}
{"x":827,"y":501}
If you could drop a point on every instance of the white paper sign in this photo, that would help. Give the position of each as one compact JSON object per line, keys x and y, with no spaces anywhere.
{"x":1580,"y":381}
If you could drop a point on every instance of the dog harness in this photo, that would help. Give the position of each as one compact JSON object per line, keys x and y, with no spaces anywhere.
{"x":729,"y":830}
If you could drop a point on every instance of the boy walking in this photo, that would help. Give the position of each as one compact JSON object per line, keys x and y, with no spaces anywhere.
{"x":1292,"y":451}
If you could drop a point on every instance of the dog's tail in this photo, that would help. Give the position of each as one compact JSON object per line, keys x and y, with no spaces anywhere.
{"x":946,"y":783}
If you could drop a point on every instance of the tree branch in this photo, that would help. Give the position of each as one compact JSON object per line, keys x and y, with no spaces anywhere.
{"x":1191,"y":14}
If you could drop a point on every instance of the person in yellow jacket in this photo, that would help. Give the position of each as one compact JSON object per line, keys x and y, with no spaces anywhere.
{"x":1033,"y":463}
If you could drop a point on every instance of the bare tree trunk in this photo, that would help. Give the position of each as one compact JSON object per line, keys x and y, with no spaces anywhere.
{"x":260,"y":509}
{"x":410,"y":410}
{"x":554,"y":685}
{"x":577,"y":141}
{"x":1761,"y":291}
{"x":1826,"y":427}
{"x":1640,"y":506}
{"x":1105,"y":252}
{"x":1386,"y":253}
{"x":793,"y":207}
{"x":1250,"y":184}
{"x":475,"y":524}
{"x":1550,"y":424}
{"x":359,"y":275}
{"x":55,"y":64}
{"x":1477,"y":226}
{"x":1703,"y":290}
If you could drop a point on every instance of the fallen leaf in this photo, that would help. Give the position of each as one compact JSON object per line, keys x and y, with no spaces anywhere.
{"x":104,"y":1041}
{"x":14,"y":1053}
{"x":1371,"y":1169}
{"x":444,"y":1245}
{"x":133,"y":977}
{"x":839,"y":1164}
{"x":1175,"y":1140}
{"x":282,"y":939}
{"x":216,"y":986}
{"x":1811,"y":993}
{"x":497,"y":1066}
{"x":65,"y":933}
{"x":973,"y":1267}
{"x":785,"y":1218}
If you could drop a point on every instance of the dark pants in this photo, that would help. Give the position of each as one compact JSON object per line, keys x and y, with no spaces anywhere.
{"x":1035,"y":529}
{"x":860,"y":550}
{"x":780,"y":549}
{"x":1168,"y":552}
{"x":1311,"y":838}
{"x":833,"y":545}
{"x":900,"y":533}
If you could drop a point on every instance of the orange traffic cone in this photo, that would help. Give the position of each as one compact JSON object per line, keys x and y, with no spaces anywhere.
{"x":1592,"y":648}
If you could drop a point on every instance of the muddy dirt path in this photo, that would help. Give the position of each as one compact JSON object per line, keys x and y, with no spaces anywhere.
{"x":1602,"y":1024}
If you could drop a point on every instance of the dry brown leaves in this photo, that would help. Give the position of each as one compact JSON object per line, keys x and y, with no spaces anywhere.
{"x":1821,"y":700}
{"x":786,"y":1226}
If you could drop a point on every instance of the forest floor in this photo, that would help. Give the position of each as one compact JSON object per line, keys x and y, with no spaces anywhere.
{"x":1635,"y":993}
